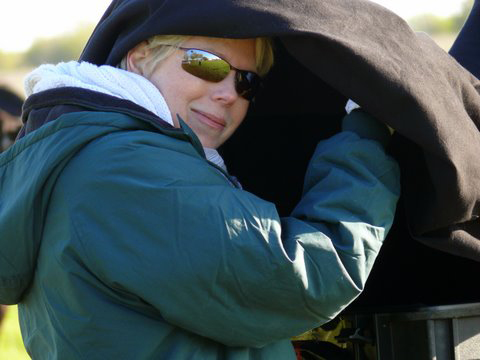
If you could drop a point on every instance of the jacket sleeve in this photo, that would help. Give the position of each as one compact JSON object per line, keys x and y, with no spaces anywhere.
{"x":156,"y":221}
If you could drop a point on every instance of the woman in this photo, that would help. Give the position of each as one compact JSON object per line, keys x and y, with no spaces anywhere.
{"x":149,"y":251}
{"x":129,"y":243}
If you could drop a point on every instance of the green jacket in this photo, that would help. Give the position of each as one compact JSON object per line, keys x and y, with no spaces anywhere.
{"x":120,"y":241}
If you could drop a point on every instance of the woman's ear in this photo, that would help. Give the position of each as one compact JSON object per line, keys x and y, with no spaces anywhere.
{"x":136,"y":58}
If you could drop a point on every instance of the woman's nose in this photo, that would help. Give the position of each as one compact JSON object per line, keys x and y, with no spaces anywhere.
{"x":224,"y":91}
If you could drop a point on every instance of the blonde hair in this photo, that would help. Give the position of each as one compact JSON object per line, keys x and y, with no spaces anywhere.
{"x":162,"y":46}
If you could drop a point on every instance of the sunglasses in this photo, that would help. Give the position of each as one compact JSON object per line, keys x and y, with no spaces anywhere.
{"x":211,"y":67}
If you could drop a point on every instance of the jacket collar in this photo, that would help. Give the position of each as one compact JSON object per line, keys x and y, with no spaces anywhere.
{"x":77,"y":99}
{"x":48,"y":105}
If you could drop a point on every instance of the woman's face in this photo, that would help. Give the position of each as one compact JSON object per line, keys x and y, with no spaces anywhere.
{"x":213,"y":110}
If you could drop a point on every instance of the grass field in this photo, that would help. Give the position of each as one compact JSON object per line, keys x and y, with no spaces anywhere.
{"x":11,"y":345}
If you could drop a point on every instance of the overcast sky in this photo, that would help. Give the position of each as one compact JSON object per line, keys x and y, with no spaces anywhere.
{"x":25,"y":20}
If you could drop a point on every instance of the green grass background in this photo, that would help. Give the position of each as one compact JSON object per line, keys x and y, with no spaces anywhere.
{"x":11,"y":344}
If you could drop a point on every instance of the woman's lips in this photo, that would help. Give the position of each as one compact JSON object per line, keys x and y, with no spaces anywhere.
{"x":210,"y":120}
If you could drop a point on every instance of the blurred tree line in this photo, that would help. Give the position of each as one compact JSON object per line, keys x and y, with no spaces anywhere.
{"x":68,"y":46}
{"x":64,"y":47}
{"x":437,"y":25}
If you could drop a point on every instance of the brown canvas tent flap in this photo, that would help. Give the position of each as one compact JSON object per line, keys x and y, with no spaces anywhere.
{"x":365,"y":53}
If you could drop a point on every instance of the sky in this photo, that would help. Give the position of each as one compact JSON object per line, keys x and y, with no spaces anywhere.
{"x":23,"y":21}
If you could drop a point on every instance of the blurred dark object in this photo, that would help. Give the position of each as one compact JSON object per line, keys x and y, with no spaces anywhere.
{"x":3,"y":310}
{"x":10,"y":124}
{"x":10,"y":111}
{"x":466,"y":48}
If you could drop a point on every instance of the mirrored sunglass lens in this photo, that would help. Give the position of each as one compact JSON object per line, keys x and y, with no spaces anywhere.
{"x":246,"y":84}
{"x":205,"y":65}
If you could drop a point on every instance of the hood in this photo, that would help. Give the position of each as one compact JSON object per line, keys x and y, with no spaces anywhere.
{"x":326,"y":52}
